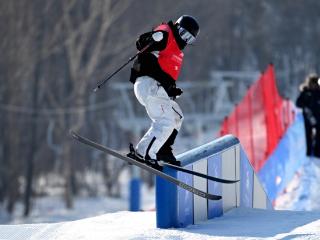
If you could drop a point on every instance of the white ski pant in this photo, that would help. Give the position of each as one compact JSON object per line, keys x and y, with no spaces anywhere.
{"x":165,"y":114}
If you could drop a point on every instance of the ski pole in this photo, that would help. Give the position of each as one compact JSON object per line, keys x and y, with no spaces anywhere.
{"x":125,"y":64}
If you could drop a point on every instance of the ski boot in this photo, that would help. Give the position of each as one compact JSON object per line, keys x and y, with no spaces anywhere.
{"x":154,"y":163}
{"x":167,"y":156}
{"x":149,"y":161}
{"x":165,"y":152}
{"x":134,"y":155}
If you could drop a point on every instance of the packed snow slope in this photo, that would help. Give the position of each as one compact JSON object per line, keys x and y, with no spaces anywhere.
{"x":303,"y":192}
{"x":239,"y":223}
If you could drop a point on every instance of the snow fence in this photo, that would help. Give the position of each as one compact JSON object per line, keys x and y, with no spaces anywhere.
{"x":223,"y":158}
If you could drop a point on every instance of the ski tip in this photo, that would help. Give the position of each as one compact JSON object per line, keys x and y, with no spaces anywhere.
{"x":232,"y":181}
{"x":215,"y":197}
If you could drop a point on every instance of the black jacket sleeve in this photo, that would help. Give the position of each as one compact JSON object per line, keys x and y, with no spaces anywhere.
{"x":146,"y":39}
{"x":304,"y":100}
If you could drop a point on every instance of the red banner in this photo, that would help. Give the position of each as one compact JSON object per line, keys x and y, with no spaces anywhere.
{"x":260,"y":119}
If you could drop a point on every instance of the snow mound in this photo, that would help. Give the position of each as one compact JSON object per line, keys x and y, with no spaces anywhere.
{"x":303,"y":192}
{"x":241,"y":223}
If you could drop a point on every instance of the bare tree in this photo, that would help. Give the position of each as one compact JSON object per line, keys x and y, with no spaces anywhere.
{"x":84,"y":44}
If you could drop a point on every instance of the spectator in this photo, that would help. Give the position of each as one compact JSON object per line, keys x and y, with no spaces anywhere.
{"x":309,"y":101}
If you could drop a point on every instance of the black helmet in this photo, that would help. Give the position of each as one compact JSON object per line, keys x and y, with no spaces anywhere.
{"x":188,"y":28}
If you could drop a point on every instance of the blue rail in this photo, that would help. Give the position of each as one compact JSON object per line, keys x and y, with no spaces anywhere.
{"x":223,"y":157}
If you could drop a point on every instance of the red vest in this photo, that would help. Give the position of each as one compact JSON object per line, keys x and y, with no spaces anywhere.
{"x":170,"y":58}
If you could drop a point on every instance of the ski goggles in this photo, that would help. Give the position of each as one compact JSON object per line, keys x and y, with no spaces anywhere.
{"x":186,"y":36}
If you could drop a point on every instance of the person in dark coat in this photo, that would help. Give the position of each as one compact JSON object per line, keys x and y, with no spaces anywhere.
{"x":309,"y":101}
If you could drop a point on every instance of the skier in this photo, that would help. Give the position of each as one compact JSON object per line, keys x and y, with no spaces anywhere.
{"x":309,"y":101}
{"x":154,"y":74}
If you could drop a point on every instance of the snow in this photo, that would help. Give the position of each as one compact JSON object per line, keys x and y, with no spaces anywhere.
{"x":303,"y":192}
{"x":52,"y":209}
{"x":104,"y":218}
{"x":239,"y":223}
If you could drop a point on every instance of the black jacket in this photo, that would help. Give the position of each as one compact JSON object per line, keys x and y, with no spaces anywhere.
{"x":309,"y":101}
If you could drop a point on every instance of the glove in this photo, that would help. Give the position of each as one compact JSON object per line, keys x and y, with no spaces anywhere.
{"x":174,"y":92}
{"x":144,"y":40}
{"x":149,"y":38}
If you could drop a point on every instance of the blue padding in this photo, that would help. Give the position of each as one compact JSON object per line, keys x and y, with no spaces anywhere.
{"x":166,"y":200}
{"x":134,"y":204}
{"x":185,"y":201}
{"x":289,"y":155}
{"x":208,"y":149}
{"x":175,"y":206}
{"x":246,"y":183}
{"x":215,"y":208}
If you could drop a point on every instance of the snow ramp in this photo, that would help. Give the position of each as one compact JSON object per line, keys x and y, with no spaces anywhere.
{"x":223,"y":157}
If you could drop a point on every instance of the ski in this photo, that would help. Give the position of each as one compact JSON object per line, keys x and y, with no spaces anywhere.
{"x":144,"y":166}
{"x":215,"y":179}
